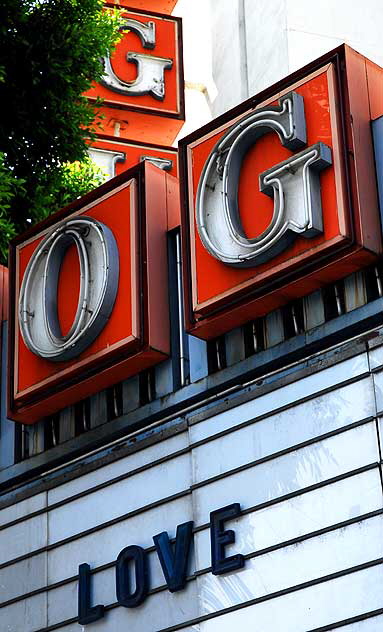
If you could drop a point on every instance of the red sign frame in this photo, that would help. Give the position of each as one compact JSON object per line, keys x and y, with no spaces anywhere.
{"x":126,"y":345}
{"x":145,"y":118}
{"x":159,"y":6}
{"x":243,"y":295}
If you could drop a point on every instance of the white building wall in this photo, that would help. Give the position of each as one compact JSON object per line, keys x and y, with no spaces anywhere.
{"x":302,"y":457}
{"x":281,"y":36}
{"x":198,"y":51}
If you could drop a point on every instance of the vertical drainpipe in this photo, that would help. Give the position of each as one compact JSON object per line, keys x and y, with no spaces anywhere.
{"x":181,"y":320}
{"x":243,"y":50}
{"x":7,"y":427}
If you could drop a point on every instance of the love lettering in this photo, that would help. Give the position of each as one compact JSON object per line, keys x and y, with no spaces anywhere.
{"x":174,"y":561}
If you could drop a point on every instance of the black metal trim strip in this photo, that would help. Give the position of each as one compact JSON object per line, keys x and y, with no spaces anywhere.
{"x":356,"y":619}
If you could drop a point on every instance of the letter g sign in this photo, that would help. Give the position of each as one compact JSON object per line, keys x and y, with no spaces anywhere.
{"x":293,"y":184}
{"x":150,"y":69}
{"x":99,"y":269}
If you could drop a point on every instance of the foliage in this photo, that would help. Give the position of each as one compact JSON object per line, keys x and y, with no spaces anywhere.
{"x":59,"y":187}
{"x":55,"y":189}
{"x":9,"y":187}
{"x":50,"y":51}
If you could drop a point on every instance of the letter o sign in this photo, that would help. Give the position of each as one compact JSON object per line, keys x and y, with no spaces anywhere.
{"x":99,"y":271}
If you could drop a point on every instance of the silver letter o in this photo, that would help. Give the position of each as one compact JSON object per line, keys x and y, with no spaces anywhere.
{"x":99,"y":270}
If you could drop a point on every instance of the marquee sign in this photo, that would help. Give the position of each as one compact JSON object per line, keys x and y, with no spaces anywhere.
{"x":88,"y":294}
{"x":278,"y":194}
{"x":142,"y":84}
{"x":279,"y":197}
{"x":115,"y":155}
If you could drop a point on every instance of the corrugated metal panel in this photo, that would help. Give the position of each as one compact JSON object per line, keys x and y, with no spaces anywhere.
{"x":301,"y":459}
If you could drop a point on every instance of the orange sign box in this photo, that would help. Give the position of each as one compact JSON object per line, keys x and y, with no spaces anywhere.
{"x":130,"y":153}
{"x":142,"y":88}
{"x":336,"y":97}
{"x":159,"y":6}
{"x":135,"y":206}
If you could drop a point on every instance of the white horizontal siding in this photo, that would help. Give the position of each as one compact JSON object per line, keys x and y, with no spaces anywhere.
{"x":293,"y":518}
{"x":128,"y":495}
{"x":283,"y":396}
{"x":378,"y":380}
{"x":23,"y":577}
{"x":62,"y":601}
{"x":23,"y":508}
{"x":290,"y":472}
{"x":293,"y":495}
{"x":373,"y":624}
{"x":118,"y":468}
{"x":283,"y":430}
{"x":23,"y":537}
{"x":308,"y":560}
{"x":306,"y":609}
{"x":101,"y":547}
{"x":296,"y":564}
{"x":160,"y":610}
{"x":29,"y":615}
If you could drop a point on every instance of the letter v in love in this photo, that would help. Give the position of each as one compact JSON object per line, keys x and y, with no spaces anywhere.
{"x":174,"y":558}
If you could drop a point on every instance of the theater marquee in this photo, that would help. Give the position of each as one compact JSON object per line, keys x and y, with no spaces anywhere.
{"x":279,"y":195}
{"x":279,"y":198}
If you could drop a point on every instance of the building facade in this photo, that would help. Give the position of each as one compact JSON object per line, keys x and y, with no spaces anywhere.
{"x":235,"y":485}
